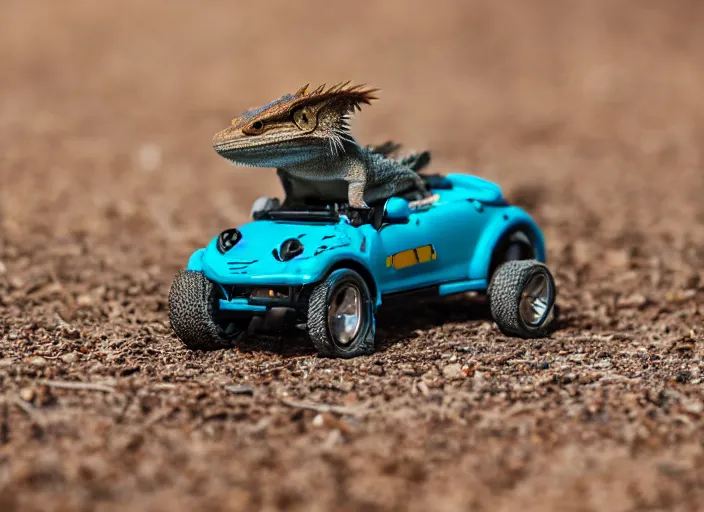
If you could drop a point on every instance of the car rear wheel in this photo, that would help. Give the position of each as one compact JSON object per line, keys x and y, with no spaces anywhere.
{"x":522,"y":298}
{"x":341,"y":316}
{"x":516,"y":245}
{"x":193,"y":300}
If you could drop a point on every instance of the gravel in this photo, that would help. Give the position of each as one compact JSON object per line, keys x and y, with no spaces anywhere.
{"x":590,"y":115}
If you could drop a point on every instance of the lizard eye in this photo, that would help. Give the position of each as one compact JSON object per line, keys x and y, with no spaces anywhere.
{"x":254,"y":128}
{"x":305,"y":118}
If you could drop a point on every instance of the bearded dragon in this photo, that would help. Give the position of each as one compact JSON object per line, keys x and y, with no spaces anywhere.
{"x":306,"y":137}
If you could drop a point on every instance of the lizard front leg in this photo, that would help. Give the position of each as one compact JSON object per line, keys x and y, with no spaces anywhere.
{"x":356,"y":176}
{"x":355,"y":194}
{"x":287,"y":186}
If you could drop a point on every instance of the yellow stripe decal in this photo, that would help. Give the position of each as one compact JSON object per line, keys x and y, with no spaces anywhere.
{"x":410,"y":257}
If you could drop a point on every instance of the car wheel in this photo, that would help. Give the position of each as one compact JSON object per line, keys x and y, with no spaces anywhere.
{"x":522,"y":298}
{"x":192,"y":309}
{"x":341,"y":316}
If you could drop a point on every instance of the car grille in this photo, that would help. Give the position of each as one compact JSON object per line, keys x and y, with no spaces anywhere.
{"x":264,"y":293}
{"x":236,"y":292}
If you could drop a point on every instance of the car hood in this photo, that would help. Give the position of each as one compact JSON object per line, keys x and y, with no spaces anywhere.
{"x":478,"y":188}
{"x":257,"y":256}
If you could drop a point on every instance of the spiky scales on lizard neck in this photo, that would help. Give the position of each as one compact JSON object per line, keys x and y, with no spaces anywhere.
{"x":306,"y":136}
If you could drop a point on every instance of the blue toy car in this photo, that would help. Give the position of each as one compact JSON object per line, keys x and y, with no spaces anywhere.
{"x":327,"y":268}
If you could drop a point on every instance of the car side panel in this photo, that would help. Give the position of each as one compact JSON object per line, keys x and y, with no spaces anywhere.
{"x":433,"y":248}
{"x":456,"y":228}
{"x":503,"y":219}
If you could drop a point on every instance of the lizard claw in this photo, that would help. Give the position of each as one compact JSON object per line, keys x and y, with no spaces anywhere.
{"x":424,"y":202}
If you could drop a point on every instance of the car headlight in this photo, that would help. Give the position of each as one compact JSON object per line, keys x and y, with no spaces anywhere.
{"x":290,"y":249}
{"x":228,"y":239}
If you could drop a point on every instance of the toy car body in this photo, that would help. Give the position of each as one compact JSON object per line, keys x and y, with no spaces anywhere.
{"x":324,"y":269}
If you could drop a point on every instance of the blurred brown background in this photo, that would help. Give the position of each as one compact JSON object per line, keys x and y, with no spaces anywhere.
{"x":585,"y":101}
{"x":589,"y":113}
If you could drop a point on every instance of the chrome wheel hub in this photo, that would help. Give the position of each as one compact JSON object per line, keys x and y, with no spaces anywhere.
{"x":345,"y":314}
{"x":535,"y":300}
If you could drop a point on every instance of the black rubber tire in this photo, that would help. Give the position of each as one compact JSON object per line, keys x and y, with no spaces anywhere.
{"x":515,"y":245}
{"x":505,"y":292}
{"x":191,"y":309}
{"x":318,"y":328}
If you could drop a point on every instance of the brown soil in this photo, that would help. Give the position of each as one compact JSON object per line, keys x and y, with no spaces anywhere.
{"x":589,"y":114}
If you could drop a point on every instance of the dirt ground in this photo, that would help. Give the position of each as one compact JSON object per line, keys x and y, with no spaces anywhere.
{"x":590,"y":114}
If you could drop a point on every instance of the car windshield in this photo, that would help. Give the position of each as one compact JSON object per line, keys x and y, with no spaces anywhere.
{"x":323,"y":213}
{"x":299,"y":215}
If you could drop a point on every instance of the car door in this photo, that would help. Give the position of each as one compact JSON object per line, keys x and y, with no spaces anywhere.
{"x":433,"y":247}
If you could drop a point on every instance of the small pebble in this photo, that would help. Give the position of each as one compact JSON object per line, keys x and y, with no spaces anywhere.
{"x":27,"y":394}
{"x":453,"y":372}
{"x":69,"y":358}
{"x":570,"y":377}
{"x":617,"y":258}
{"x":694,"y":407}
{"x":84,"y":300}
{"x":377,"y":370}
{"x":244,"y":389}
{"x":636,"y":300}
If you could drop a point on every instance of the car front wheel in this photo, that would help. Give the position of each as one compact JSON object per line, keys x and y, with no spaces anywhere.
{"x":341,"y":316}
{"x":522,"y":298}
{"x":193,"y":301}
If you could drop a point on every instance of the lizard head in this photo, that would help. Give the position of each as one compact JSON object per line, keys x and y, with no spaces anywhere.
{"x":294,"y":128}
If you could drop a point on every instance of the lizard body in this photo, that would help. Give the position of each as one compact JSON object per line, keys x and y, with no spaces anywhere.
{"x":305,"y":136}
